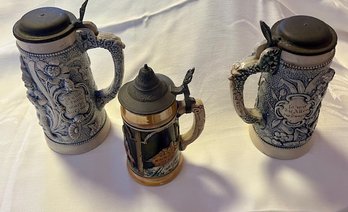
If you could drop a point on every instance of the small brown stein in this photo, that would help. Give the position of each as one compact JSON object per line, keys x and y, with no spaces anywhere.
{"x":151,"y":114}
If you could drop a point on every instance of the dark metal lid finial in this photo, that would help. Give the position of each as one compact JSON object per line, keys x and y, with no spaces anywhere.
{"x":266,"y":31}
{"x":151,"y":93}
{"x":83,"y":10}
{"x":148,"y":93}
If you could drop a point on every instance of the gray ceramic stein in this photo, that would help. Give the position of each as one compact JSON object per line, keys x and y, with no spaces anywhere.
{"x":295,"y":72}
{"x":56,"y":72}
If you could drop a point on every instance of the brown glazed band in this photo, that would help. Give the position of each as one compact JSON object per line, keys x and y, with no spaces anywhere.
{"x":151,"y":121}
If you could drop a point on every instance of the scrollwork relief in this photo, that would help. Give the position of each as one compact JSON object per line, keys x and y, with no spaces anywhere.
{"x":62,"y":90}
{"x":293,"y":105}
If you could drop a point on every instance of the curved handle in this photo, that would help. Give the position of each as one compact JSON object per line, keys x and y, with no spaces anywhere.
{"x":89,"y":38}
{"x":263,"y":60}
{"x":198,"y":123}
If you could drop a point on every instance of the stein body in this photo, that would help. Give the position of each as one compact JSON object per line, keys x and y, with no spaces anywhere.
{"x":295,"y":72}
{"x":151,"y":126}
{"x":56,"y":72}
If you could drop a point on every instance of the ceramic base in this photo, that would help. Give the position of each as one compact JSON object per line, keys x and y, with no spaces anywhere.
{"x":82,"y":148}
{"x":158,"y":180}
{"x":275,"y":152}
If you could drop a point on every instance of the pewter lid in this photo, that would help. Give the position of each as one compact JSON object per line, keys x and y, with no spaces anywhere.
{"x":47,"y":24}
{"x":304,"y":35}
{"x":44,"y":25}
{"x":148,"y":93}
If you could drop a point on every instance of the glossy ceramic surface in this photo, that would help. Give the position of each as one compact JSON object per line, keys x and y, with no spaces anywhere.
{"x":151,"y":129}
{"x":290,"y":90}
{"x":56,"y":72}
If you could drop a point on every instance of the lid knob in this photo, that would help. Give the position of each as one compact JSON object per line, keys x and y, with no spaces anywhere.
{"x":146,"y":79}
{"x":148,"y":93}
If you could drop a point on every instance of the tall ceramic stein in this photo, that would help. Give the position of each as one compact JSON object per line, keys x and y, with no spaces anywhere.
{"x":151,"y":114}
{"x":56,"y":72}
{"x":295,"y":72}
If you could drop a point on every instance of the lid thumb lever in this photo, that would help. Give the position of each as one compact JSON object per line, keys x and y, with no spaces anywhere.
{"x":83,"y":10}
{"x":266,"y":31}
{"x":85,"y":24}
{"x":184,"y":89}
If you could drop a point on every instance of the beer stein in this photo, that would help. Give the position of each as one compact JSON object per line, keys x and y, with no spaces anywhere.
{"x":295,"y":72}
{"x":53,"y":46}
{"x":150,"y":115}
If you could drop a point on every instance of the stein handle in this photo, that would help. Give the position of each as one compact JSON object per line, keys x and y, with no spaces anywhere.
{"x":263,"y":60}
{"x":198,"y":123}
{"x":90,"y":38}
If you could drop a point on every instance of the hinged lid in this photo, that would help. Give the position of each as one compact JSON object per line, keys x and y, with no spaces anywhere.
{"x":304,"y":35}
{"x":47,"y":24}
{"x":148,"y":93}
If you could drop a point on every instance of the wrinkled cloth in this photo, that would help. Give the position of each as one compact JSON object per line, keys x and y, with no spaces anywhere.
{"x":222,"y":171}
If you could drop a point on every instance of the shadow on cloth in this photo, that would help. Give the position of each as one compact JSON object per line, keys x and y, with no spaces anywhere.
{"x":103,"y":171}
{"x":324,"y":168}
{"x":197,"y":188}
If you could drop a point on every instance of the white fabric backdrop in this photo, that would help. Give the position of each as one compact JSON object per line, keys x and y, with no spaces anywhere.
{"x":223,"y":171}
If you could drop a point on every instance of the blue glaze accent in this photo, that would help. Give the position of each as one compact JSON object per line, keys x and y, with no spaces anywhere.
{"x":61,"y":87}
{"x":290,"y":103}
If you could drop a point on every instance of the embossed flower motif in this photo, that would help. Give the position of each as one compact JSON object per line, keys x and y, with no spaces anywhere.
{"x":293,"y":138}
{"x":52,"y":70}
{"x":94,"y":127}
{"x":283,"y":137}
{"x":74,"y":131}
